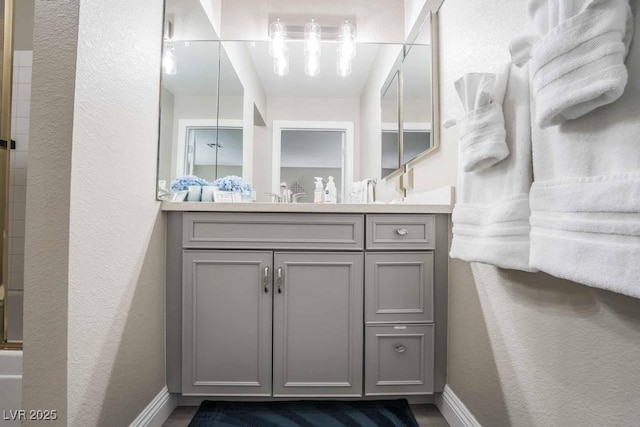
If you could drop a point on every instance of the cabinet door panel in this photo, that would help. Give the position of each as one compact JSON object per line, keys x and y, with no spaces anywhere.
{"x":227,"y":319}
{"x":318,"y":324}
{"x":399,"y":287}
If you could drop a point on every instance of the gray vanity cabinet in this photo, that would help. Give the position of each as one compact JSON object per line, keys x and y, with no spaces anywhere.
{"x":227,"y":315}
{"x":318,"y":327}
{"x":306,"y":305}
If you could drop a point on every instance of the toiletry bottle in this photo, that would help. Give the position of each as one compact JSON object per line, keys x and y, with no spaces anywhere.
{"x":318,"y":194}
{"x":330,"y":192}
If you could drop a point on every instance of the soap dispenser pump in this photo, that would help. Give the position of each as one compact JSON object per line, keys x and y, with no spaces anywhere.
{"x":318,"y":194}
{"x":330,"y":193}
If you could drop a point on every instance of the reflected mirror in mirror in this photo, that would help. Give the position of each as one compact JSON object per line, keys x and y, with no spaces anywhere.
{"x":417,"y":97}
{"x":309,"y":153}
{"x":390,"y":138}
{"x":214,"y":152}
{"x":201,"y":123}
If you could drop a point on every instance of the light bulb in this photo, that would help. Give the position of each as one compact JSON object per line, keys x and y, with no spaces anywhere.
{"x":281,"y":64}
{"x":312,"y":66}
{"x":344,"y":66}
{"x":277,"y":35}
{"x":347,"y":40}
{"x":312,"y":37}
{"x":169,"y":61}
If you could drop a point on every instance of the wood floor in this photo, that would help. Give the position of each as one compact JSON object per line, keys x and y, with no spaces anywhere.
{"x":426,"y":415}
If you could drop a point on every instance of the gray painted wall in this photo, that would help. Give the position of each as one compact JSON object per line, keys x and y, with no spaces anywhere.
{"x":526,"y":349}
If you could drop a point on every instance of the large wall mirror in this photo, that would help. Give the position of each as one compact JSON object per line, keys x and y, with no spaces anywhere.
{"x":408,"y":103}
{"x":228,"y":107}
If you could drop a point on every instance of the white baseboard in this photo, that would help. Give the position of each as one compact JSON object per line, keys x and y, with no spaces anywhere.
{"x":454,"y":411}
{"x":157,"y":412}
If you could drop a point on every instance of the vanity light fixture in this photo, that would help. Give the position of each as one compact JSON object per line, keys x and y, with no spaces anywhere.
{"x":344,"y":34}
{"x":281,"y":63}
{"x":169,"y":61}
{"x":277,"y":35}
{"x":344,"y":65}
{"x":312,"y":36}
{"x":346,"y":48}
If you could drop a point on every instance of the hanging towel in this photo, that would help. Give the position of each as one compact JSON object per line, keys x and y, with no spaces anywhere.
{"x":481,"y":129}
{"x":585,"y":201}
{"x":577,"y":64}
{"x":491,"y":217}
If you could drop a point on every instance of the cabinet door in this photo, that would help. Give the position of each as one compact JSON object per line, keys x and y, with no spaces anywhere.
{"x":318,"y":324}
{"x":227,"y":315}
{"x":399,"y":287}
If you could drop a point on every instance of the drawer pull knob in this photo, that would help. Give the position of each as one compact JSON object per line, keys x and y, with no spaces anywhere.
{"x":402,"y":231}
{"x":400,"y":348}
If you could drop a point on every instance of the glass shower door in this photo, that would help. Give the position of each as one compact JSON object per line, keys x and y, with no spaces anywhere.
{"x":7,"y":23}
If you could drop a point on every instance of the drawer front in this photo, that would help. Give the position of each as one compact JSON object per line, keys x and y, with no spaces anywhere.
{"x":399,"y":360}
{"x":273,"y":231}
{"x":400,"y":232}
{"x":399,"y":287}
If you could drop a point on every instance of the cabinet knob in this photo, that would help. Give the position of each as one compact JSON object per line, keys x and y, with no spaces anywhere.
{"x":402,"y":231}
{"x":400,"y":348}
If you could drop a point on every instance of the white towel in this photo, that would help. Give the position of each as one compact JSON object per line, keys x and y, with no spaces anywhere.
{"x":577,"y":65}
{"x":585,"y":201}
{"x":491,"y":217}
{"x":481,"y":129}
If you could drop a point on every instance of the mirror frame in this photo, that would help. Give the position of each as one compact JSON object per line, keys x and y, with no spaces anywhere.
{"x":426,"y":17}
{"x":432,"y":18}
{"x":385,"y":87}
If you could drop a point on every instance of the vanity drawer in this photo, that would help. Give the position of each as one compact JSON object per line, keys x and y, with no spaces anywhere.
{"x":400,"y":232}
{"x":399,"y":287}
{"x":399,"y":360}
{"x":273,"y":231}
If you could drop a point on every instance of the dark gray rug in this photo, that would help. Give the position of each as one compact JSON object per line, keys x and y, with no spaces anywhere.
{"x":307,"y":413}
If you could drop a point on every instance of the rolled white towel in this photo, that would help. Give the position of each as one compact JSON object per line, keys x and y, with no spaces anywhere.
{"x":482,"y":129}
{"x":577,"y":65}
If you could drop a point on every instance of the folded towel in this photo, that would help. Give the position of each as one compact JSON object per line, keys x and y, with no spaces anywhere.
{"x":482,"y":138}
{"x":577,"y":65}
{"x":481,"y":129}
{"x":585,"y":201}
{"x":491,"y":216}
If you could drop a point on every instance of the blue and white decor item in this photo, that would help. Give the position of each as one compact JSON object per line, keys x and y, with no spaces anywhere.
{"x":231,"y":188}
{"x":183,"y":182}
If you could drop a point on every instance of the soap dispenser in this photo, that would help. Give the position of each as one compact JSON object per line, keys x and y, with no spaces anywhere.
{"x":318,"y":194}
{"x":330,"y":193}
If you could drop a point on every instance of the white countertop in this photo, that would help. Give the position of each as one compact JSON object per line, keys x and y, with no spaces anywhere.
{"x":306,"y":207}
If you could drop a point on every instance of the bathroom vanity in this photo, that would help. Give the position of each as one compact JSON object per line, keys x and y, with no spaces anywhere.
{"x":272,"y":301}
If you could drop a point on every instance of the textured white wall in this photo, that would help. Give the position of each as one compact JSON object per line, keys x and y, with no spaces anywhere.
{"x":47,"y":217}
{"x":526,"y":349}
{"x":116,"y":242}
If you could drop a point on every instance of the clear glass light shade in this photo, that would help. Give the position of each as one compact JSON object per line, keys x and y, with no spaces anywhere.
{"x":169,"y":62}
{"x":312,"y":37}
{"x":347,"y":40}
{"x":312,"y":65}
{"x":281,"y":64}
{"x":277,"y":35}
{"x":344,"y":66}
